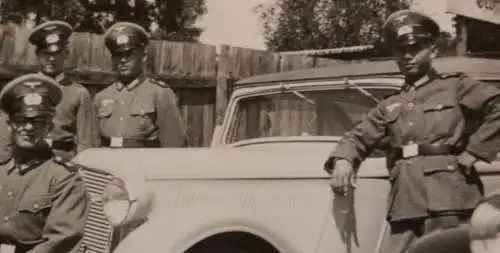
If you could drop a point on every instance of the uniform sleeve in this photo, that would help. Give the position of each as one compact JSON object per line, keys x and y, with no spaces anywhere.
{"x":171,"y":128}
{"x":358,"y":143}
{"x":482,"y":99}
{"x":96,"y":131}
{"x":84,"y":118}
{"x":65,"y":223}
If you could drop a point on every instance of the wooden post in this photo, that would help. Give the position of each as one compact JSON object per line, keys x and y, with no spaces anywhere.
{"x":222,"y":88}
{"x":461,"y":36}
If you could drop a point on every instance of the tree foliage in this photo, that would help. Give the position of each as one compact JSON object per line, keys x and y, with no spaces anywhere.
{"x":317,"y":24}
{"x":175,"y":19}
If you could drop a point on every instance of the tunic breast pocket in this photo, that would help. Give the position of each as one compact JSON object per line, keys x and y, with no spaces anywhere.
{"x":31,"y":217}
{"x":105,"y":109}
{"x":440,"y":117}
{"x":143,"y":116}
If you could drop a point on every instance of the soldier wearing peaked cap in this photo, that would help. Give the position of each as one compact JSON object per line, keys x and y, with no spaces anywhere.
{"x":74,"y":116}
{"x":135,"y":111}
{"x":438,"y":127}
{"x":43,"y":202}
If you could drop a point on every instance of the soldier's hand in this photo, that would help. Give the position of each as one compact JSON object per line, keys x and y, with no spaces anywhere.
{"x":342,"y":177}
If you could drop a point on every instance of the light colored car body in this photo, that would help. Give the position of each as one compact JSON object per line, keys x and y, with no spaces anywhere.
{"x":269,"y":193}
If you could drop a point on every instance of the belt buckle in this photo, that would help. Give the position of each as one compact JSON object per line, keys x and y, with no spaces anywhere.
{"x":7,"y":248}
{"x":116,"y":142}
{"x":410,"y":150}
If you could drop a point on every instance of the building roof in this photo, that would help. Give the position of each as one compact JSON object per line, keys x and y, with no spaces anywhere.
{"x":476,"y":67}
{"x":332,"y":51}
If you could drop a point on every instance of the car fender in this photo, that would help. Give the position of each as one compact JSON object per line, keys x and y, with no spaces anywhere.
{"x":176,"y":235}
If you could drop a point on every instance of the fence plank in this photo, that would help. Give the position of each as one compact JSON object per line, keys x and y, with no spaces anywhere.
{"x":246,"y":62}
{"x":291,"y":62}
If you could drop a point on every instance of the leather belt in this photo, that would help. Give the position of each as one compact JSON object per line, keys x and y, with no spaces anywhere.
{"x":133,"y":143}
{"x":397,"y":153}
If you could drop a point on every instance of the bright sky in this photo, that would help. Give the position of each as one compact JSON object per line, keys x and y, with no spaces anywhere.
{"x":232,"y":22}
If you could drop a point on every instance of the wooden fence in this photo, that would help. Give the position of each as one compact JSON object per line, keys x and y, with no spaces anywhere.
{"x":201,"y":77}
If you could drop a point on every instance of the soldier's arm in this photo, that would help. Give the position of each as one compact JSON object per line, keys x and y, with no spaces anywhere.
{"x":359,"y":142}
{"x":482,"y":99}
{"x":84,"y":118}
{"x":65,"y":223}
{"x":95,"y":131}
{"x":171,"y":128}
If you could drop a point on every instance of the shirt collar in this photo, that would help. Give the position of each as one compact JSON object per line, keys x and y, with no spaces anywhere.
{"x":22,"y":168}
{"x":130,"y":86}
{"x":422,"y":81}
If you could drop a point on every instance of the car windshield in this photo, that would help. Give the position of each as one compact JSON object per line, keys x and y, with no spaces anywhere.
{"x":329,"y":112}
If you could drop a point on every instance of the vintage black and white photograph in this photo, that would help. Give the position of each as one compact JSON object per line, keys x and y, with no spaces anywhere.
{"x":249,"y":126}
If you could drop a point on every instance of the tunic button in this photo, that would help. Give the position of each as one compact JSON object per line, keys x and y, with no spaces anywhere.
{"x":121,"y":118}
{"x":36,"y":206}
{"x":410,"y":105}
{"x":6,"y":218}
{"x":410,"y":123}
{"x":10,"y":194}
{"x":439,"y":107}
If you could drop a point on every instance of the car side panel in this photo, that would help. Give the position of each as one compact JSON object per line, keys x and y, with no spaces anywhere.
{"x":291,"y":214}
{"x":360,"y":227}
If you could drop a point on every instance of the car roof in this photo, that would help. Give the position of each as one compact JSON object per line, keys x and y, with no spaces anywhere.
{"x":475,"y":67}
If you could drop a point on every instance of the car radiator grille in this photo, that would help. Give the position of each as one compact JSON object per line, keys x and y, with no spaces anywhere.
{"x":98,"y":232}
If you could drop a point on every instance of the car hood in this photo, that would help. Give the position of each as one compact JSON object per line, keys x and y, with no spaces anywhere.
{"x":219,"y":163}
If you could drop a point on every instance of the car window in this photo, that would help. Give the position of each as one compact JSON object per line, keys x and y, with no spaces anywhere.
{"x":319,"y":112}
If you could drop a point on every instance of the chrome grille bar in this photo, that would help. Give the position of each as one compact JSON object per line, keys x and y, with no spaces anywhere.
{"x":98,"y":232}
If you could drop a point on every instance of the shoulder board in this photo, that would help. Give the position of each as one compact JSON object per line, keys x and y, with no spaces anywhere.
{"x":159,"y":82}
{"x":65,"y":163}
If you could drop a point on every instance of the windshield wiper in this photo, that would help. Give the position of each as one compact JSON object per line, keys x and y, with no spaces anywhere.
{"x":298,"y":94}
{"x":361,"y":89}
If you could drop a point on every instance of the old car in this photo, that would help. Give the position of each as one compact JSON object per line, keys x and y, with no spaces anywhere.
{"x":261,"y":186}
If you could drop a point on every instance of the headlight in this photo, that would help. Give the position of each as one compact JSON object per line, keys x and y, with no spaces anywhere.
{"x":116,"y":202}
{"x":126,"y":200}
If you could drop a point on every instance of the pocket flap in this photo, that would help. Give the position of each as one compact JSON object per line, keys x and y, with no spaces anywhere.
{"x":440,"y":164}
{"x":439,"y":105}
{"x":34,"y":205}
{"x":105,"y":108}
{"x":142,"y":109}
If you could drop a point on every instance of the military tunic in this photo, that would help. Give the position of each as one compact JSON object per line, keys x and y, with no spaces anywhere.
{"x":453,"y":110}
{"x":44,"y":206}
{"x":142,"y":114}
{"x":73,"y":119}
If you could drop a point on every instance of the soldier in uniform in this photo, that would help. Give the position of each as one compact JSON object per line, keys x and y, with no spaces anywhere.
{"x":74,"y":116}
{"x":438,"y":127}
{"x":43,"y":202}
{"x":135,"y":111}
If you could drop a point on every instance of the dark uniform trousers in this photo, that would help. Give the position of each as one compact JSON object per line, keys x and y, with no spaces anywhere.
{"x":43,"y":206}
{"x":440,"y":118}
{"x":73,"y":120}
{"x":142,"y":114}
